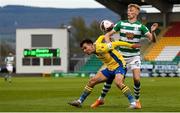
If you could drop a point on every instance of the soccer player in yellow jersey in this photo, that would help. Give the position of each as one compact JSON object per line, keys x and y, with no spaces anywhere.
{"x":116,"y":67}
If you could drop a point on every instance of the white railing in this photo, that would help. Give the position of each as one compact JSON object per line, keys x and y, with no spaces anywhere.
{"x":80,"y":63}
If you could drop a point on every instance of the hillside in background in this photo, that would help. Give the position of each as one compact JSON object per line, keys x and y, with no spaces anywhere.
{"x":12,"y":17}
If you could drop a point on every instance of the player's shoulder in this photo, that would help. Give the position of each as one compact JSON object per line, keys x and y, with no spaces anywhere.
{"x":100,"y":37}
{"x":122,"y":21}
{"x":119,"y":23}
{"x":138,"y":23}
{"x":125,"y":22}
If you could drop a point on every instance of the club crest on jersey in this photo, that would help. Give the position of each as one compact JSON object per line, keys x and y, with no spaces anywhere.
{"x":129,"y":35}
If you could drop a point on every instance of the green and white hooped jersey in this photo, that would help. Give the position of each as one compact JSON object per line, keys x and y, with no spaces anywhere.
{"x":9,"y":60}
{"x":131,"y":33}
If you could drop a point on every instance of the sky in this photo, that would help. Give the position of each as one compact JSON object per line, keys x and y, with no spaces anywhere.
{"x":54,"y":3}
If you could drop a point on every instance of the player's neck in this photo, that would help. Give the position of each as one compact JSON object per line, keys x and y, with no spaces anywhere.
{"x":94,"y":49}
{"x":132,"y":20}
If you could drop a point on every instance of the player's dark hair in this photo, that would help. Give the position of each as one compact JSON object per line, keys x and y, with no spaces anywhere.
{"x":88,"y":41}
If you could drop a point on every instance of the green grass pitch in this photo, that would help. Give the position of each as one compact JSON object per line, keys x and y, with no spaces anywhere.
{"x":48,"y":94}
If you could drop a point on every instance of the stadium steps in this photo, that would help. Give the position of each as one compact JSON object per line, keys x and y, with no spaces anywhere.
{"x":92,"y":65}
{"x":155,"y":51}
{"x":168,"y":53}
{"x":169,"y":37}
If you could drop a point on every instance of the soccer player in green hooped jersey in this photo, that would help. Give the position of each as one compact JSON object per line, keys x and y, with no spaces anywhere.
{"x":9,"y":60}
{"x":130,"y":31}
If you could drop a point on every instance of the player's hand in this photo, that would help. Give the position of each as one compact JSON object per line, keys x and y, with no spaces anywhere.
{"x":136,"y":46}
{"x":154,"y":37}
{"x":154,"y":27}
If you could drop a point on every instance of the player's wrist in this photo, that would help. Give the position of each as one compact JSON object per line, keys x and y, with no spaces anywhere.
{"x":109,"y":45}
{"x":153,"y":37}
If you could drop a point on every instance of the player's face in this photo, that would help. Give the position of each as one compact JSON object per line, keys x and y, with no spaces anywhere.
{"x":132,"y":13}
{"x":88,"y":48}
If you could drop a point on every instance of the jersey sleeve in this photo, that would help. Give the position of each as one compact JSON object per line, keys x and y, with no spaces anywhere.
{"x":103,"y":48}
{"x":144,"y":29}
{"x":120,"y":43}
{"x":117,"y":26}
{"x":100,"y":39}
{"x":100,"y":47}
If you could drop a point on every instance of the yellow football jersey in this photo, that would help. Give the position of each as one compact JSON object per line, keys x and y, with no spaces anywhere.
{"x":108,"y":55}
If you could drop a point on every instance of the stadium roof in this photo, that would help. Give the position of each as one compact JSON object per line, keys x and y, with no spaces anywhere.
{"x":120,"y":6}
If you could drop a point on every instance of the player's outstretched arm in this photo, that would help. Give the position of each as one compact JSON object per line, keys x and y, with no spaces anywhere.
{"x":121,"y":43}
{"x":105,"y":47}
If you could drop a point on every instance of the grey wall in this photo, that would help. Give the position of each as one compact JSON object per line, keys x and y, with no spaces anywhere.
{"x":59,"y":40}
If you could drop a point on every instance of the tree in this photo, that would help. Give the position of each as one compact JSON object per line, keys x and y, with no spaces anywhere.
{"x":78,"y":33}
{"x":80,"y":30}
{"x":5,"y":48}
{"x":94,"y":30}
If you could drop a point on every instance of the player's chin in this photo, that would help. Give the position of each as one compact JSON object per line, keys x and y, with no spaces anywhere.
{"x":88,"y":53}
{"x":130,"y":17}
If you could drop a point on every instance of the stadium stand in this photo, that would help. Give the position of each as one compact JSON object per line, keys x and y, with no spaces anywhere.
{"x":174,"y":30}
{"x":92,"y":65}
{"x":160,"y":45}
{"x":168,"y":53}
{"x":167,"y":46}
{"x":177,"y":58}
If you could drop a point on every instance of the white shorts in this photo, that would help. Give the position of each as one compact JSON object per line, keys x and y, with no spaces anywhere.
{"x":9,"y":68}
{"x":133,"y":62}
